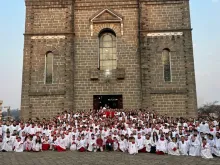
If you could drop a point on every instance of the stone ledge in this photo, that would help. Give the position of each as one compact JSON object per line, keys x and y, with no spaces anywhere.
{"x":169,"y":91}
{"x":47,"y":93}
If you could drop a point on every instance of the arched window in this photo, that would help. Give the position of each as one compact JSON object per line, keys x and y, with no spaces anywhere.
{"x":107,"y":51}
{"x":49,"y":68}
{"x":166,"y":57}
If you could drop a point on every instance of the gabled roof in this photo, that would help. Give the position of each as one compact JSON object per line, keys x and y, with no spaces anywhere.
{"x":106,"y":15}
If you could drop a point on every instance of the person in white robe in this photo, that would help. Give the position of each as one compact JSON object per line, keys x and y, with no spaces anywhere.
{"x":1,"y":142}
{"x":73,"y":143}
{"x":5,"y":129}
{"x":166,"y":129}
{"x":54,"y":141}
{"x":28,"y":143}
{"x":140,"y":143}
{"x":91,"y":131}
{"x":161,"y":146}
{"x":8,"y":142}
{"x":154,"y":139}
{"x":217,"y":145}
{"x":104,"y":134}
{"x":37,"y":145}
{"x":147,"y":143}
{"x":115,"y":144}
{"x":92,"y":146}
{"x":123,"y":144}
{"x":23,"y":136}
{"x":32,"y":130}
{"x":13,"y":127}
{"x":206,"y":150}
{"x":132,"y":147}
{"x":183,"y":146}
{"x":39,"y":129}
{"x":81,"y":144}
{"x":18,"y":145}
{"x":212,"y":130}
{"x":204,"y":127}
{"x":67,"y":139}
{"x":62,"y":142}
{"x":194,"y":147}
{"x":215,"y":151}
{"x":173,"y":148}
{"x":115,"y":135}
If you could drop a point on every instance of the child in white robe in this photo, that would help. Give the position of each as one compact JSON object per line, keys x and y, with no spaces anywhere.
{"x":140,"y":143}
{"x":206,"y":150}
{"x":18,"y":145}
{"x":173,"y":148}
{"x":115,"y":144}
{"x":73,"y":143}
{"x":161,"y":147}
{"x":154,"y":140}
{"x":132,"y":147}
{"x":147,"y":143}
{"x":62,"y":142}
{"x":37,"y":145}
{"x":183,"y":146}
{"x":67,"y":139}
{"x":32,"y":130}
{"x":194,"y":147}
{"x":28,"y":143}
{"x":81,"y":144}
{"x":212,"y":144}
{"x":123,"y":144}
{"x":92,"y":144}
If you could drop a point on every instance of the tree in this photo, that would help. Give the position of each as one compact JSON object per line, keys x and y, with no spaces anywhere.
{"x":210,"y":110}
{"x":14,"y":113}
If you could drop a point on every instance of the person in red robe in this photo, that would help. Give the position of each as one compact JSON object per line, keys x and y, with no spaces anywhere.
{"x":107,"y":113}
{"x":109,"y":143}
{"x":112,"y":113}
{"x":99,"y":143}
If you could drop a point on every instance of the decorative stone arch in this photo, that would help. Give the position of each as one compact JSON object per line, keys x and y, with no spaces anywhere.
{"x":101,"y":27}
{"x":47,"y":49}
{"x":167,"y":45}
{"x":106,"y":19}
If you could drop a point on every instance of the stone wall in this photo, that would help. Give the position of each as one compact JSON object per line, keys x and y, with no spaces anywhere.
{"x":87,"y":53}
{"x":172,"y":104}
{"x":166,"y":25}
{"x":48,"y":28}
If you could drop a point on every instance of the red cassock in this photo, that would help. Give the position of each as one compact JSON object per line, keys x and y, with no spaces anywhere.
{"x":112,"y":114}
{"x":59,"y":149}
{"x":107,"y":113}
{"x":45,"y":147}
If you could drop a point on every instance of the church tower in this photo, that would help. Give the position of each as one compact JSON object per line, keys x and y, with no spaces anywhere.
{"x":47,"y":86}
{"x":86,"y":54}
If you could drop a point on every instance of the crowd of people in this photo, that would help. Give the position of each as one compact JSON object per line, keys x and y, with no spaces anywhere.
{"x":128,"y":131}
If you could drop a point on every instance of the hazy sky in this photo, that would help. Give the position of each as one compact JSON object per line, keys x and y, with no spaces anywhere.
{"x":205,"y":16}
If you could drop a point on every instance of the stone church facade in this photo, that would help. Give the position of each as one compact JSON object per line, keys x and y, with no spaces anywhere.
{"x":85,"y":54}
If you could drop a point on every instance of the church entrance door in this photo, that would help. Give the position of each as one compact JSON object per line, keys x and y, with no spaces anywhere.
{"x":111,"y":101}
